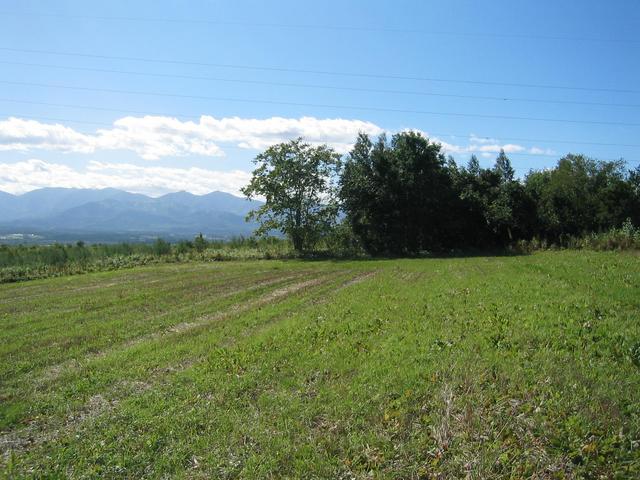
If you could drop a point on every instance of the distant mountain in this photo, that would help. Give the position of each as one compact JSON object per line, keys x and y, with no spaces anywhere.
{"x":49,"y":201}
{"x":216,"y":201}
{"x":7,"y":203}
{"x":112,"y":212}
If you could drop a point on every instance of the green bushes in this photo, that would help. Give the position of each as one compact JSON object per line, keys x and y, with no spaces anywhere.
{"x":21,"y":262}
{"x":161,"y":247}
{"x":627,"y":237}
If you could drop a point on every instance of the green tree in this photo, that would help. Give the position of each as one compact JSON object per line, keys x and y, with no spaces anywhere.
{"x":397,"y":195}
{"x":495,"y":208}
{"x":297,"y":180}
{"x":161,"y":247}
{"x":503,"y":167}
{"x":200,"y":243}
{"x":582,"y":195}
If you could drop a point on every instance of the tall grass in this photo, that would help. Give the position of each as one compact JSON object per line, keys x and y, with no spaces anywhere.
{"x":626,"y":237}
{"x":27,"y":262}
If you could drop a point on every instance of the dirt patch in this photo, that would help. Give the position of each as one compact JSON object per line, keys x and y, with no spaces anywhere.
{"x":357,"y":279}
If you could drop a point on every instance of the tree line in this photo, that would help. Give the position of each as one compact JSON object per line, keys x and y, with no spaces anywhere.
{"x":403,"y":196}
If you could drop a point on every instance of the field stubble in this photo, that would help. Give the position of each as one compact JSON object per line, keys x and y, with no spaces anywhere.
{"x":485,"y":367}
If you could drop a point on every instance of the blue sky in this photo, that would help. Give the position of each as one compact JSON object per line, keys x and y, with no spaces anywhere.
{"x":233,"y":77}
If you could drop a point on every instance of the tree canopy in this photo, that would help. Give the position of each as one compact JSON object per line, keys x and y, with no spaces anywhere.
{"x":402,"y":196}
{"x":395,"y":193}
{"x":296,"y":180}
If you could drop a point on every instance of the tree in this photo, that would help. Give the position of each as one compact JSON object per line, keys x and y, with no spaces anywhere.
{"x":200,"y":243}
{"x":297,"y":180}
{"x":161,"y":247}
{"x":473,"y":167}
{"x":582,"y":195}
{"x":503,"y":167}
{"x":397,"y":195}
{"x":495,"y":208}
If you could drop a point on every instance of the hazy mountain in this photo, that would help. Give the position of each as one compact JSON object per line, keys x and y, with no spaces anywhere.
{"x":218,"y":201}
{"x":113,"y":212}
{"x":7,"y":203}
{"x":49,"y":201}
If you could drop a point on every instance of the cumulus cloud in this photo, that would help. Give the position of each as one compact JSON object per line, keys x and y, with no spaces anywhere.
{"x":476,"y":145}
{"x":23,"y":135}
{"x":31,"y":174}
{"x":154,"y":137}
{"x":542,"y":151}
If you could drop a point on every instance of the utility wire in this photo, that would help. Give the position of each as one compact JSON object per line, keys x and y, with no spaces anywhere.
{"x":317,"y":72}
{"x":326,"y":87}
{"x":104,"y":124}
{"x":197,"y":117}
{"x":298,"y":26}
{"x":320,"y":105}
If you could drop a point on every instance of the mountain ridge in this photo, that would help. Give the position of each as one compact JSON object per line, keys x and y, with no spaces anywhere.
{"x":114,"y":211}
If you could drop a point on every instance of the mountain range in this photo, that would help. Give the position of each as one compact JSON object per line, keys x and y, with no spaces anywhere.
{"x":110,"y":214}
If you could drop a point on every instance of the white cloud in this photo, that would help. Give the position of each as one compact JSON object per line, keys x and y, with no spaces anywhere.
{"x":259,"y":134}
{"x":154,"y":137}
{"x":542,"y":151}
{"x":477,"y":145}
{"x":31,"y":174}
{"x":495,"y":148}
{"x":24,"y":135}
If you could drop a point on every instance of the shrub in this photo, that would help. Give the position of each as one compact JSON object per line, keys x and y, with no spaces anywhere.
{"x":161,"y":247}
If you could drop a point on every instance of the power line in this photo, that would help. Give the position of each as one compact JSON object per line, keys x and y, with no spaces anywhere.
{"x":319,"y":105}
{"x":104,"y":124}
{"x":326,"y":87}
{"x":298,"y":26}
{"x":184,"y":115}
{"x":318,"y":72}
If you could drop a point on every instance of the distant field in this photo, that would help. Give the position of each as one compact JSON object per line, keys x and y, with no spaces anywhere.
{"x":487,"y":367}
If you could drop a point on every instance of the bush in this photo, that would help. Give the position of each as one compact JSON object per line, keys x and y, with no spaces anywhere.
{"x":627,"y":237}
{"x":342,"y":242}
{"x":200,"y":243}
{"x":22,"y":262}
{"x":161,"y":247}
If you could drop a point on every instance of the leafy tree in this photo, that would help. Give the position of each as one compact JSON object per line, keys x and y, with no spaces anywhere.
{"x":634,"y":186}
{"x":582,"y":195}
{"x":397,"y":194}
{"x":161,"y":247}
{"x":495,"y":208}
{"x":200,"y":243}
{"x":472,"y":185}
{"x":509,"y":209}
{"x":297,"y":181}
{"x":473,"y":167}
{"x":503,"y":167}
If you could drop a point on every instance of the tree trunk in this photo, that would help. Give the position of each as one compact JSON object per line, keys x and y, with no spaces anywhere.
{"x":297,"y":242}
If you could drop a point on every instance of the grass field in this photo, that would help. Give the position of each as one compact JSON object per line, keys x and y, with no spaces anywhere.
{"x":479,"y":367}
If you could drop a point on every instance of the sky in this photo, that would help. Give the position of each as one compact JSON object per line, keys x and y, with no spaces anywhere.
{"x":159,"y":96}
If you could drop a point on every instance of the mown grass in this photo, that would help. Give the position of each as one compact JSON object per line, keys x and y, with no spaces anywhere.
{"x":486,"y":367}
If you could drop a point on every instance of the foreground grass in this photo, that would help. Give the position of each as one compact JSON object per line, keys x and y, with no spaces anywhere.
{"x":487,"y":367}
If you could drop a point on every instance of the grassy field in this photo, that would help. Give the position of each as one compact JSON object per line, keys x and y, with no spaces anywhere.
{"x":479,"y":367}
